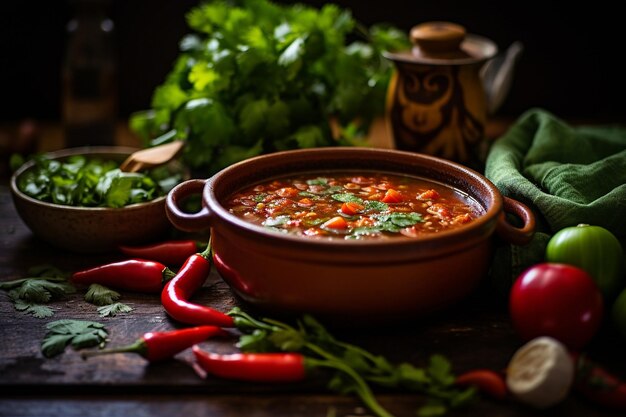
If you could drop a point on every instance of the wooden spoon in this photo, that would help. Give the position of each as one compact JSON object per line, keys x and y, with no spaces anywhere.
{"x":151,"y":157}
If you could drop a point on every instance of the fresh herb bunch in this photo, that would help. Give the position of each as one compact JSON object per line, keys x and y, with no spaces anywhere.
{"x":257,"y":77}
{"x":356,"y":368}
{"x":93,"y":182}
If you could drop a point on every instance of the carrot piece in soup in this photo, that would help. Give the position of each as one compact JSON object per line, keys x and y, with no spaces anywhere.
{"x":335,"y":223}
{"x":351,"y":208}
{"x":392,"y":196}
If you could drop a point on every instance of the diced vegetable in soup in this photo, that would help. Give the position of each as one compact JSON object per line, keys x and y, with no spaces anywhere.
{"x":349,"y":205}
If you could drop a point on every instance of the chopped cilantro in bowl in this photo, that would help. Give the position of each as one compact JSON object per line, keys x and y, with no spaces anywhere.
{"x":78,"y":200}
{"x":93,"y":181}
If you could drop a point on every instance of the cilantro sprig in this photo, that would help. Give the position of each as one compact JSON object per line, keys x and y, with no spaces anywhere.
{"x":370,"y":205}
{"x":107,"y":301}
{"x":355,"y":369}
{"x":254,"y":77}
{"x":100,"y":295}
{"x":76,"y":333}
{"x":112,"y":310}
{"x":43,"y":285}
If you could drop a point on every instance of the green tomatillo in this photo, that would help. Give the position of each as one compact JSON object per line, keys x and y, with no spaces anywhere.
{"x":594,"y":249}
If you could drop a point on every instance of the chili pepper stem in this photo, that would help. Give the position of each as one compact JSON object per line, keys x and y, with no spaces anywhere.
{"x":257,"y":324}
{"x":138,"y":347}
{"x":206,"y":253}
{"x":168,"y":274}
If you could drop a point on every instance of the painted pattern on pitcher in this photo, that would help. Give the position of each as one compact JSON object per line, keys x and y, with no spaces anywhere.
{"x":437,"y":109}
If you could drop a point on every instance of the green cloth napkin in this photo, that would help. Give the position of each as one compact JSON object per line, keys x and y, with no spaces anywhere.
{"x":567,"y":175}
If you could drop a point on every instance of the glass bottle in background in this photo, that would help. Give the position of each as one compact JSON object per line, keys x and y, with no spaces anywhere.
{"x":89,"y":83}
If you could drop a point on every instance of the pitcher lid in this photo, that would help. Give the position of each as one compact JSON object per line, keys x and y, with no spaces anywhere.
{"x":444,"y":43}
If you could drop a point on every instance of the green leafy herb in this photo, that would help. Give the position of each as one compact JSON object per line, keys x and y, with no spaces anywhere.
{"x":45,"y":284}
{"x":16,"y":161}
{"x":318,"y":181}
{"x":254,"y":77}
{"x":79,"y":181}
{"x":333,"y":189}
{"x":77,"y":333}
{"x":40,"y":290}
{"x":373,"y":205}
{"x":106,"y":298}
{"x":353,"y":368}
{"x":114,"y":309}
{"x":276,"y":221}
{"x":347,"y":198}
{"x":37,"y":310}
{"x":100,"y":295}
{"x":394,"y":222}
{"x":260,"y":197}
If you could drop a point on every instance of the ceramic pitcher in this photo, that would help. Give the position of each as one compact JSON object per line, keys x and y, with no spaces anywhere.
{"x":442,"y":91}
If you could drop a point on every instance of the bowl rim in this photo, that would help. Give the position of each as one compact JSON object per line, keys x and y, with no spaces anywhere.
{"x":477,"y":230}
{"x":83,"y":150}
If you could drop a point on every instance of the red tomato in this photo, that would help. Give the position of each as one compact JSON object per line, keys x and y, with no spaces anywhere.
{"x":558,"y":300}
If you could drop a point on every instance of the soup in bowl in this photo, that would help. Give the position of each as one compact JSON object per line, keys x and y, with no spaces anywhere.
{"x":354,"y":205}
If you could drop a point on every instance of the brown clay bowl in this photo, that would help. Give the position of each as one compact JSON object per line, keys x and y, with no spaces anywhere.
{"x":91,"y":229}
{"x":349,"y":279}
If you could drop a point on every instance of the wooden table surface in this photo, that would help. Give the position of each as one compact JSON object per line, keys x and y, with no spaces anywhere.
{"x":475,"y":333}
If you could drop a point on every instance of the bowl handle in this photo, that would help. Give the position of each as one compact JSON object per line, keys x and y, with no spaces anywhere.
{"x":512,"y":234}
{"x":188,"y":222}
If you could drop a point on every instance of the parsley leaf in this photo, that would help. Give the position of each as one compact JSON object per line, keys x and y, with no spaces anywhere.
{"x":373,"y":205}
{"x":47,"y":284}
{"x":318,"y":181}
{"x":77,"y":333}
{"x":41,"y":290}
{"x":106,"y":298}
{"x":37,"y":310}
{"x":394,"y":222}
{"x":439,"y":369}
{"x":276,"y":221}
{"x":114,"y":309}
{"x":347,"y":198}
{"x":100,"y":295}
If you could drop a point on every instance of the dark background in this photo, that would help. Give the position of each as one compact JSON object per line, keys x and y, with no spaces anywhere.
{"x":570,"y":66}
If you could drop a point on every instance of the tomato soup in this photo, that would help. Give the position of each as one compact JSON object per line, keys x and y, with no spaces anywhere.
{"x":354,"y":205}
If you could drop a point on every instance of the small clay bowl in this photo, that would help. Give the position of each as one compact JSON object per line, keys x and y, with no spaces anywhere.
{"x":92,"y":229}
{"x":349,"y":279}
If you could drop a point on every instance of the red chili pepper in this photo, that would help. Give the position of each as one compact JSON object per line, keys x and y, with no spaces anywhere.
{"x":486,"y":381}
{"x":254,"y":367}
{"x":172,"y":252}
{"x":158,"y":346}
{"x":133,"y":275}
{"x":178,"y":291}
{"x":598,"y":385}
